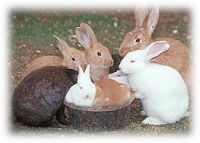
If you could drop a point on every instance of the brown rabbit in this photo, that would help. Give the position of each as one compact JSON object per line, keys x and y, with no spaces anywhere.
{"x":97,"y":55}
{"x":106,"y":96}
{"x":72,"y":58}
{"x":146,"y":20}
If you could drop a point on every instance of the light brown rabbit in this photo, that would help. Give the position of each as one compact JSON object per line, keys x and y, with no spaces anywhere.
{"x":111,"y":93}
{"x":71,"y":59}
{"x":97,"y":55}
{"x":146,"y":20}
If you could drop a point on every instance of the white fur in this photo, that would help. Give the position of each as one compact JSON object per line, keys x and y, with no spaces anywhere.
{"x":119,"y":77}
{"x":162,"y":90}
{"x":84,"y":91}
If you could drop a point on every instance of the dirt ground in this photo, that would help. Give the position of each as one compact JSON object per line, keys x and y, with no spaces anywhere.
{"x":31,"y":37}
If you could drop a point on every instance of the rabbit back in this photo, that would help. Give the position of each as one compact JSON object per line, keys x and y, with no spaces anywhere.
{"x":163,"y":92}
{"x":111,"y":93}
{"x":42,"y":62}
{"x":177,"y":56}
{"x":39,"y":95}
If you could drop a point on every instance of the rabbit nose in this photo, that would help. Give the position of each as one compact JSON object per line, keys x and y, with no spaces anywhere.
{"x":122,"y":53}
{"x":87,"y":96}
{"x":111,"y":62}
{"x":124,"y":50}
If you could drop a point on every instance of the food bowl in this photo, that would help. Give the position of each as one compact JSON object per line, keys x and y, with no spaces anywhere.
{"x":99,"y":118}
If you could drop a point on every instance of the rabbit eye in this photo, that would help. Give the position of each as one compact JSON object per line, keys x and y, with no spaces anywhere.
{"x":73,"y":59}
{"x":99,"y":53}
{"x":80,"y":86}
{"x":137,"y":41}
{"x":132,"y":61}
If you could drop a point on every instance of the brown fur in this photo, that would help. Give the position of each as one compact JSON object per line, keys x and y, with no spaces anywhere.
{"x":44,"y":61}
{"x":111,"y":93}
{"x":99,"y":64}
{"x":177,"y":56}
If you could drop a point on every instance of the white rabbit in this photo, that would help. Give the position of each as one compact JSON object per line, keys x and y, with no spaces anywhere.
{"x":83,"y":92}
{"x":162,"y":90}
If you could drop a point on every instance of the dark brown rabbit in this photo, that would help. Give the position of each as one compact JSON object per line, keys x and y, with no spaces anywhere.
{"x":117,"y":59}
{"x":40,"y":95}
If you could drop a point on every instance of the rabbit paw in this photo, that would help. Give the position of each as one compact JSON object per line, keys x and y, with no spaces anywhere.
{"x":153,"y":121}
{"x":187,"y":114}
{"x":142,"y":113}
{"x":139,"y":95}
{"x":117,"y":73}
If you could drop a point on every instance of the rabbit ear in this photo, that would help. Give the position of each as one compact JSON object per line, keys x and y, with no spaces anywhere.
{"x":85,"y":36}
{"x":156,"y":48}
{"x":152,"y":20}
{"x":63,"y":47}
{"x":141,"y":14}
{"x":87,"y":71}
{"x":90,"y":31}
{"x":80,"y":73}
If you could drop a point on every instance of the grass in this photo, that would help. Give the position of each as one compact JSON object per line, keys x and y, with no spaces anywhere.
{"x":32,"y":32}
{"x":43,"y":26}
